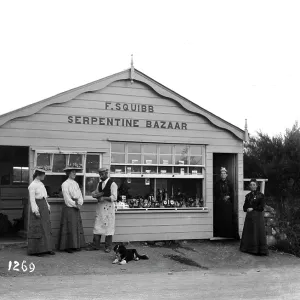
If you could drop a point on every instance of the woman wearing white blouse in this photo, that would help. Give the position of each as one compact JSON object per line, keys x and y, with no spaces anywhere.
{"x":39,"y":232}
{"x":71,"y":229}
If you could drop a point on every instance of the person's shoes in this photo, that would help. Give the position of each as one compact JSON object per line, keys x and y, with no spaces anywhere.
{"x":107,"y":250}
{"x":92,"y":248}
{"x":76,"y":249}
{"x":69,"y":250}
{"x":51,"y":252}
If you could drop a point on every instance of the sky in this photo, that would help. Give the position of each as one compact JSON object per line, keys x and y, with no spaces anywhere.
{"x":238,"y":59}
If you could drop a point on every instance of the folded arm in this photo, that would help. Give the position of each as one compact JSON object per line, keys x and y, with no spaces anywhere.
{"x":67,"y":197}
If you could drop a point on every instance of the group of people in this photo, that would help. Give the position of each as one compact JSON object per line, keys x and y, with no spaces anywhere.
{"x":71,"y":235}
{"x":254,"y":233}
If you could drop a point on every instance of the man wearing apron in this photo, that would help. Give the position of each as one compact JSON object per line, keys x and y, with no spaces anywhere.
{"x":106,"y":194}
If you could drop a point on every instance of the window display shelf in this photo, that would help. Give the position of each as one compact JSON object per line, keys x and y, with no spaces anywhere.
{"x":162,"y":210}
{"x":117,"y":175}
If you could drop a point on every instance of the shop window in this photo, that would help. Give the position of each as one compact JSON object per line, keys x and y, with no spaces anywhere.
{"x":134,"y":154}
{"x":165,"y":154}
{"x":90,"y":185}
{"x":59,"y":163}
{"x":181,"y":154}
{"x":55,"y":163}
{"x":92,"y":163}
{"x":20,"y":175}
{"x":75,"y":160}
{"x":169,"y":193}
{"x":167,"y":175}
{"x":44,"y":161}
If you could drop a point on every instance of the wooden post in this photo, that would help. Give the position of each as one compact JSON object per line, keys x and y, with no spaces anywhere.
{"x":262,"y":186}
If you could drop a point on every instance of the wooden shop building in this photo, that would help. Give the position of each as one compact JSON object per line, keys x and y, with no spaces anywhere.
{"x":157,"y":144}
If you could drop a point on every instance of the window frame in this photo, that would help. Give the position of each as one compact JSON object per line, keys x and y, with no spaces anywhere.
{"x":84,"y":174}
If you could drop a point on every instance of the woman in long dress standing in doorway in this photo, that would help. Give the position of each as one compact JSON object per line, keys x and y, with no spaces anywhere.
{"x":254,"y":233}
{"x":39,"y":231}
{"x":71,"y":229}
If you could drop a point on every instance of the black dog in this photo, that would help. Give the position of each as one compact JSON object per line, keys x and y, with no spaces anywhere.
{"x":124,"y":255}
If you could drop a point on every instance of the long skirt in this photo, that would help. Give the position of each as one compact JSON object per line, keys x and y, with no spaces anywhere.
{"x":254,"y":234}
{"x":39,"y":231}
{"x":223,"y":219}
{"x":71,"y":230}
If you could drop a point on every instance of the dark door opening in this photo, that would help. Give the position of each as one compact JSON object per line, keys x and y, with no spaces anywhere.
{"x":225,"y":213}
{"x":14,"y":180}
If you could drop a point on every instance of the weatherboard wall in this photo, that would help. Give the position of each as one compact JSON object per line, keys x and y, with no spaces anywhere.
{"x":63,"y":126}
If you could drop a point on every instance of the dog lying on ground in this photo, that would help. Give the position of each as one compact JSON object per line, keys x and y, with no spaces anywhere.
{"x":123,"y":255}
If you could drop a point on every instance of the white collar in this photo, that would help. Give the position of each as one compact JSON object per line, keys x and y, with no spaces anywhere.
{"x":105,"y":181}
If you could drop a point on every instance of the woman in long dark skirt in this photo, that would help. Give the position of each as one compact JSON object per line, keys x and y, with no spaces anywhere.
{"x":39,"y":231}
{"x":254,"y":234}
{"x":71,"y":229}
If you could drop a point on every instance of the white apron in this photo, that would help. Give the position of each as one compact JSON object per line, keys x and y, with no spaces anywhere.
{"x":105,"y":218}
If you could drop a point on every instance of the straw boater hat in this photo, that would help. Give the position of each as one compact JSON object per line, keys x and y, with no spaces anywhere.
{"x":71,"y":168}
{"x":42,"y":169}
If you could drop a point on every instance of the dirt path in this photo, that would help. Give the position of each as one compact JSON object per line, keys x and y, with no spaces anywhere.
{"x":194,"y":256}
{"x":268,"y":284}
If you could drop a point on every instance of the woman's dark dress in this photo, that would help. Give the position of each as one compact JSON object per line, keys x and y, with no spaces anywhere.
{"x":71,"y":230}
{"x":39,"y":232}
{"x":254,"y":233}
{"x":223,"y":210}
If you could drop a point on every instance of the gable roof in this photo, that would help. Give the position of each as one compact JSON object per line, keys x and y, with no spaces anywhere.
{"x":124,"y":75}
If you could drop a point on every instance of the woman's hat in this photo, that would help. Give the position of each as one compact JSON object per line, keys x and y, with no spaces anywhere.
{"x":72,"y":167}
{"x":223,"y":170}
{"x":252,"y":180}
{"x":42,"y":169}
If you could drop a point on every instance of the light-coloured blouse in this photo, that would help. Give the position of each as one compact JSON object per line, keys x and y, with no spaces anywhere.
{"x":37,"y":190}
{"x":70,"y":189}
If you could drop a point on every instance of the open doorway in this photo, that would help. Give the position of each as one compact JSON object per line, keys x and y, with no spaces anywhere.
{"x":225,"y":214}
{"x":14,"y":180}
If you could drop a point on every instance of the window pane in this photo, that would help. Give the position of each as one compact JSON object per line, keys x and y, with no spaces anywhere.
{"x":59,"y":162}
{"x":92,"y":163}
{"x":43,"y":160}
{"x":165,"y":159}
{"x":195,"y":170}
{"x":196,"y":160}
{"x":17,"y":177}
{"x":117,"y":158}
{"x":90,"y":185}
{"x":136,"y":169}
{"x":25,"y":174}
{"x":182,"y":149}
{"x":76,"y":160}
{"x":150,"y":149}
{"x":181,"y":160}
{"x":118,"y":147}
{"x":117,"y":169}
{"x":165,"y":170}
{"x":196,"y":150}
{"x":150,"y":159}
{"x":134,"y":148}
{"x":134,"y":158}
{"x":165,"y":149}
{"x":149,"y":170}
{"x":180,"y":170}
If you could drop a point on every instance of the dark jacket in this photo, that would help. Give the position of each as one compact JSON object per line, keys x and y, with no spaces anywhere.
{"x":255,"y":200}
{"x":106,"y":191}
